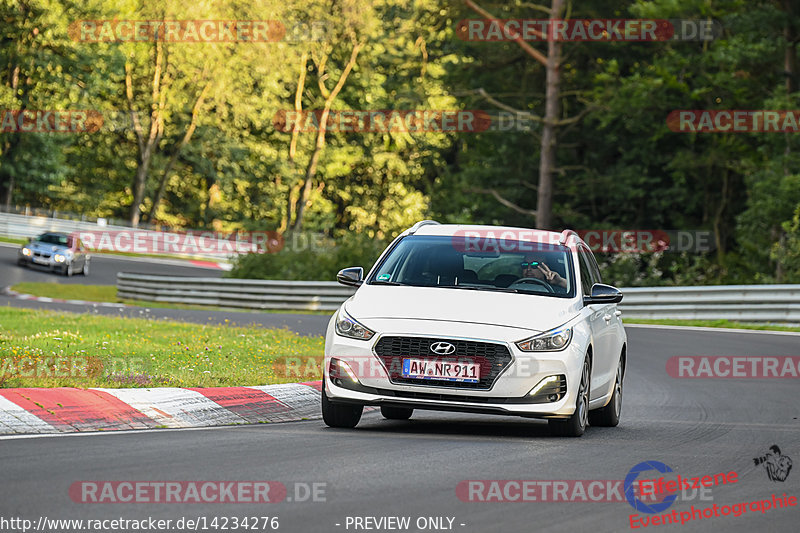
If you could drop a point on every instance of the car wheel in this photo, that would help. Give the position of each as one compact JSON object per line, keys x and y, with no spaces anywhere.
{"x":85,"y":270}
{"x":68,"y":270}
{"x":22,"y":262}
{"x":396,"y":413}
{"x":339,"y":415}
{"x":608,"y":416}
{"x":575,"y":425}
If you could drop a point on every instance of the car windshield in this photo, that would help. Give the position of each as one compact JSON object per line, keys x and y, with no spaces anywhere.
{"x":449,"y":262}
{"x":52,"y":238}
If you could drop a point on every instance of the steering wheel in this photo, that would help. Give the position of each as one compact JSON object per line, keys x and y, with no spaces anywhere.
{"x":534,"y":280}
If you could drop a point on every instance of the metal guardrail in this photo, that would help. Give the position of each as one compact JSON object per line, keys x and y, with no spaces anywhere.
{"x":744,"y":303}
{"x":234,"y":293}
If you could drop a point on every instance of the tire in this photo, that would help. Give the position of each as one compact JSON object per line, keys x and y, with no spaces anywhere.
{"x":339,"y":415}
{"x":396,"y":413}
{"x":575,"y":425}
{"x":85,"y":269}
{"x":22,"y":263}
{"x":69,"y":271}
{"x":608,"y":416}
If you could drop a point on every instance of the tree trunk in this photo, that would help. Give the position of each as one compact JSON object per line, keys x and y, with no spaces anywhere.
{"x":790,"y":67}
{"x":790,"y":54}
{"x":147,"y":146}
{"x":547,"y":160}
{"x":311,"y":169}
{"x":9,"y":192}
{"x":139,"y":181}
{"x":286,"y":223}
{"x":8,"y":148}
{"x":177,"y":151}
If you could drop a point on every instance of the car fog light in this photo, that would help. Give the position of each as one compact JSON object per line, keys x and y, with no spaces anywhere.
{"x":549,"y":380}
{"x":340,"y":370}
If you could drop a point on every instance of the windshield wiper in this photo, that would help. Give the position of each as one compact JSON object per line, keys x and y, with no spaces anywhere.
{"x":377,"y":282}
{"x":477,"y":288}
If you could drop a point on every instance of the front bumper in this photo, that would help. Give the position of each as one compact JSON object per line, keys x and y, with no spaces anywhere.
{"x":48,"y":263}
{"x":508,"y":394}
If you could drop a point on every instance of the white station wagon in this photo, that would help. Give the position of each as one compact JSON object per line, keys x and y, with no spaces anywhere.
{"x":480,"y":319}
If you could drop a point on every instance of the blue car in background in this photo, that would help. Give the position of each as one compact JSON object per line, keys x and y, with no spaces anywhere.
{"x":59,"y":252}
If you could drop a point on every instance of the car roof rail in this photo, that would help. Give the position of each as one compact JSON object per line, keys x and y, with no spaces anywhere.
{"x":421,"y":223}
{"x":565,"y":235}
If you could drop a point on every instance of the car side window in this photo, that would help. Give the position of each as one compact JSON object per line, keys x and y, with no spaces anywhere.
{"x":586,"y":277}
{"x":593,"y":268}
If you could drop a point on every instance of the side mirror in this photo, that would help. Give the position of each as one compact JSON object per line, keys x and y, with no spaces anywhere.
{"x":603,"y":294}
{"x":352,"y":276}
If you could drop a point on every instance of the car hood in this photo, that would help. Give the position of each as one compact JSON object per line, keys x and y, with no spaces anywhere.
{"x":523,"y":311}
{"x":37,"y":246}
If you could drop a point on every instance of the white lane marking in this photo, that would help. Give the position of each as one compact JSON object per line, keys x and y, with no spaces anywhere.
{"x":176,"y":408}
{"x":15,"y":419}
{"x":238,"y":426}
{"x":724,"y":330}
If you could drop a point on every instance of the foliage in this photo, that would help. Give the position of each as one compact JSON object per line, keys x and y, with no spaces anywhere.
{"x":620,"y":166}
{"x":311,"y":257}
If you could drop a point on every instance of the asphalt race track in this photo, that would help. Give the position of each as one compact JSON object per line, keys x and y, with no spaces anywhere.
{"x":696,"y":426}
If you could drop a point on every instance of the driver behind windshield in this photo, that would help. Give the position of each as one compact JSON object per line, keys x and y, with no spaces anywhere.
{"x":534,"y":267}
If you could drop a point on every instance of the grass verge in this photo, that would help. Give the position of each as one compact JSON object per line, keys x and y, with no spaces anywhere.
{"x":49,"y":349}
{"x":67,"y":291}
{"x":712,"y":324}
{"x":12,"y":240}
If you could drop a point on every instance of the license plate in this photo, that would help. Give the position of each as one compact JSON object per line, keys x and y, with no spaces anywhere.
{"x":42,"y":260}
{"x":441,"y":370}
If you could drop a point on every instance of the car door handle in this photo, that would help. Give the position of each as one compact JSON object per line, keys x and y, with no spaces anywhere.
{"x":617,"y":313}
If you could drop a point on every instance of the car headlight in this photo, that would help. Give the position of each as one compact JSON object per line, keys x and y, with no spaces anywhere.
{"x":59,"y":258}
{"x":549,"y":341}
{"x":26,"y":252}
{"x":350,"y":328}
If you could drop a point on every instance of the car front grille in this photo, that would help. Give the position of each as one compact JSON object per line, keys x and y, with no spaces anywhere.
{"x":493,"y":358}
